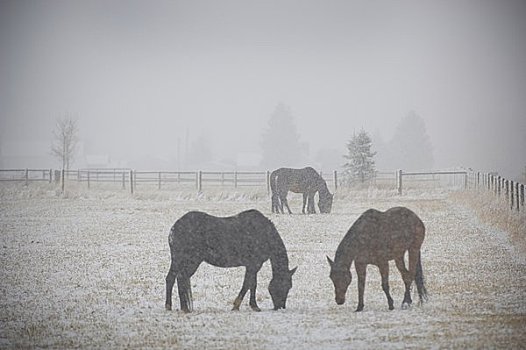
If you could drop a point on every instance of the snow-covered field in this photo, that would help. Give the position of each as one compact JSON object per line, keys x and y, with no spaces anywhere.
{"x":87,"y":270}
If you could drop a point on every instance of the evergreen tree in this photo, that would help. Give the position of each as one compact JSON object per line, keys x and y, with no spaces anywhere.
{"x":280,"y":143}
{"x":360,"y":165}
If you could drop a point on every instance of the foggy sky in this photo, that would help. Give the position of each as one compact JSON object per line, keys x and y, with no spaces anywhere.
{"x":141,"y":76}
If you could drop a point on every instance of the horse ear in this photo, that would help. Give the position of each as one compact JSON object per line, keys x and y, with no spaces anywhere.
{"x":330,"y":261}
{"x":293,"y":270}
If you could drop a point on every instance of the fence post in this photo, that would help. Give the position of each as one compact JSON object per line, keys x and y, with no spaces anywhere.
{"x":517,"y":195}
{"x":50,"y":175}
{"x":89,"y":179}
{"x":522,"y":196}
{"x":400,"y":182}
{"x":490,"y":183}
{"x":199,"y":181}
{"x":123,"y":180}
{"x":335,"y":180}
{"x":131,"y":181}
{"x":26,"y":176}
{"x":159,"y":180}
{"x":512,"y":196}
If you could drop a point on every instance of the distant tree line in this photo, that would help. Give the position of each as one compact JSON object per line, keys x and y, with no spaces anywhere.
{"x":410,"y":147}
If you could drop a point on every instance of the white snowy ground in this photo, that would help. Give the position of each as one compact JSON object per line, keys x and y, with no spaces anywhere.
{"x":88,"y":270}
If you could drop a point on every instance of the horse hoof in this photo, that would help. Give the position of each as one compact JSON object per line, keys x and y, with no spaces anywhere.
{"x":168,"y":307}
{"x":406,"y":306}
{"x":255,"y":308}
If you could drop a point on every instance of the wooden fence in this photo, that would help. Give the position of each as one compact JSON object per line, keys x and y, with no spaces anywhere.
{"x":132,"y":180}
{"x":458,"y":179}
{"x":26,"y":175}
{"x":511,"y":191}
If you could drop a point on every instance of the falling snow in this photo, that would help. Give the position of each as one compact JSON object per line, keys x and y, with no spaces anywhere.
{"x":87,"y":270}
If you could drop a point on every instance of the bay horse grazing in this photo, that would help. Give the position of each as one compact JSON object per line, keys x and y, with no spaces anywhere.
{"x":376,"y":238}
{"x":247,"y":239}
{"x":306,"y":181}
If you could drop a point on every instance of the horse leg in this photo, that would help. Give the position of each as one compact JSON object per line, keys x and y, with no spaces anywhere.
{"x":419,"y":280}
{"x":170,"y":280}
{"x":406,"y":277}
{"x":279,"y":202}
{"x":249,"y":282}
{"x":312,"y":207}
{"x":275,"y":203}
{"x":253,"y":284}
{"x":185,"y":293}
{"x":286,"y":203}
{"x":184,"y":287}
{"x":360,"y":272}
{"x":242,"y":292}
{"x":305,"y":203}
{"x":384,"y":272}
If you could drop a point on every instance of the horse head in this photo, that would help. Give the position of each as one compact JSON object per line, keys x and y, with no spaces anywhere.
{"x":279,"y":288}
{"x":325,"y":203}
{"x":341,"y":278}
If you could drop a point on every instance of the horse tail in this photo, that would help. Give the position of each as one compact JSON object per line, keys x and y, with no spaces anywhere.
{"x":274,"y":198}
{"x":420,"y":281}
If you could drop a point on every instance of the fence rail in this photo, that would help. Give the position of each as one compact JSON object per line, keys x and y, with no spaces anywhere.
{"x":131,"y":179}
{"x":454,"y":178}
{"x":26,"y":175}
{"x":511,"y":191}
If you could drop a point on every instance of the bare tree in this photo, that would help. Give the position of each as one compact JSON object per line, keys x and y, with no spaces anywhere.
{"x":65,"y":141}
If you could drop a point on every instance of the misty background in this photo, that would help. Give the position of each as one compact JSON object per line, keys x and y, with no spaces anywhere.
{"x":194,"y":84}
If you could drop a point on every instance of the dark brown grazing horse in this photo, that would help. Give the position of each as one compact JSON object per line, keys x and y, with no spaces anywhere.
{"x":306,"y":181}
{"x":247,"y":239}
{"x":375,"y":238}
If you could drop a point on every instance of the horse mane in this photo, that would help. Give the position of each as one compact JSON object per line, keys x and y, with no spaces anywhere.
{"x":345,"y":248}
{"x":279,"y":259}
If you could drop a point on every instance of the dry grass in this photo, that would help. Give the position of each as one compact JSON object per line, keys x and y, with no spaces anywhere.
{"x":495,"y":212}
{"x":87,"y":270}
